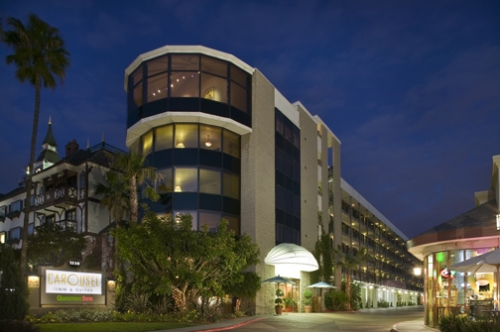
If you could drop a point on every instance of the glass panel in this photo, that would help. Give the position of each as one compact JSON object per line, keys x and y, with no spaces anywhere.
{"x":157,"y":87}
{"x":137,"y":76}
{"x":213,"y":88}
{"x":164,"y":138}
{"x":234,"y":223}
{"x":138,"y":95}
{"x":185,"y":62}
{"x":31,"y":228}
{"x":184,"y":84}
{"x":238,"y":97}
{"x":157,"y":65}
{"x":214,"y":66}
{"x":210,"y":138}
{"x":210,"y":181}
{"x":165,"y":184}
{"x":186,"y":179}
{"x":3,"y":211}
{"x":194,"y":216}
{"x":147,"y":143}
{"x":211,"y":219}
{"x":231,"y":143}
{"x":2,"y":237}
{"x":15,"y":233}
{"x":239,"y":76}
{"x":71,"y":215}
{"x":231,"y":184}
{"x":186,"y":136}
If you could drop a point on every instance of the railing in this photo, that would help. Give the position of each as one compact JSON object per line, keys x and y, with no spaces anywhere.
{"x":54,"y":195}
{"x":67,"y":224}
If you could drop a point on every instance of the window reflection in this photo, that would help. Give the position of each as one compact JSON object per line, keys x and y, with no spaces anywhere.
{"x":214,"y":66}
{"x":164,"y":138}
{"x":210,"y":138}
{"x":231,"y":183}
{"x":184,"y":84}
{"x":147,"y":143}
{"x":157,"y":87}
{"x":165,"y":185}
{"x":185,"y":62}
{"x":211,"y":219}
{"x":194,"y":217}
{"x":213,"y":88}
{"x":157,"y":65}
{"x":234,"y":223}
{"x":186,"y":136}
{"x":186,"y":179}
{"x":239,"y":76}
{"x":138,"y":95}
{"x":210,"y":181}
{"x":238,"y":97}
{"x":231,"y":143}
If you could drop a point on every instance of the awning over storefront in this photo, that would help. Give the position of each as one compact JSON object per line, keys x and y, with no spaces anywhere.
{"x":291,"y":259}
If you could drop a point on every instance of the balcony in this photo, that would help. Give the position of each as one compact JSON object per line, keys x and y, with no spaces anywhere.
{"x":62,"y":196}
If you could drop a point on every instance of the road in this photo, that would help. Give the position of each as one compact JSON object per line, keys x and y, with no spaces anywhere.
{"x":373,"y":320}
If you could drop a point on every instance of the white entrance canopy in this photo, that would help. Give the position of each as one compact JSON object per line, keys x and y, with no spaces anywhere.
{"x":289,"y":259}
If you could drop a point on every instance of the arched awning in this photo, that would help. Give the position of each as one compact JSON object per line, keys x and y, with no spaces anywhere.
{"x":292,"y":255}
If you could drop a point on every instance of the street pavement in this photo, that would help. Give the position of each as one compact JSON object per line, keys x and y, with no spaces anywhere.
{"x":407,"y":319}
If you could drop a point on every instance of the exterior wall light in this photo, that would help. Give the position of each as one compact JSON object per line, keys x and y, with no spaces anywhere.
{"x":417,"y":271}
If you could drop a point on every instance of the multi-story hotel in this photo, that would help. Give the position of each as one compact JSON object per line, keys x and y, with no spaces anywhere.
{"x":230,"y":145}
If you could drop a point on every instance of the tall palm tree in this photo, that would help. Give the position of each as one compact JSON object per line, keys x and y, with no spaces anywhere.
{"x":350,"y":262}
{"x":40,"y":58}
{"x":130,"y":174}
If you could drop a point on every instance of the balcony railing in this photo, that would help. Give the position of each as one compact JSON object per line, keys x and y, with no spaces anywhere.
{"x":55,"y":195}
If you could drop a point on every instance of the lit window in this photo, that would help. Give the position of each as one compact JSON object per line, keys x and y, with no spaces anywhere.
{"x":186,"y":136}
{"x":210,"y":181}
{"x":186,"y":179}
{"x":164,"y":138}
{"x":231,"y":143}
{"x":147,"y":143}
{"x":71,"y":215}
{"x":2,"y":237}
{"x":231,"y":184}
{"x":193,"y":214}
{"x":210,"y":138}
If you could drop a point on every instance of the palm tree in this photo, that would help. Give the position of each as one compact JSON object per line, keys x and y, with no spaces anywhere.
{"x":114,"y":196}
{"x":349,"y":263}
{"x":131,"y":174}
{"x":40,"y":57}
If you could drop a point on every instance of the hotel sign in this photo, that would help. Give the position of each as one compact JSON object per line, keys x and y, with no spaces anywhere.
{"x":67,"y":287}
{"x":69,"y":282}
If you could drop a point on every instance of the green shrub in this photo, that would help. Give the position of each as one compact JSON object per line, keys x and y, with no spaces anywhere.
{"x":307,"y":297}
{"x":461,"y":323}
{"x":14,"y":289}
{"x":336,"y":300}
{"x":17,"y":326}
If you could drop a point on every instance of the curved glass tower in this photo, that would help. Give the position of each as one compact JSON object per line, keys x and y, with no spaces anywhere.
{"x":186,"y":113}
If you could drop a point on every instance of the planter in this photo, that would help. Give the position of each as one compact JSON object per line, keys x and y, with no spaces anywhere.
{"x":289,"y":309}
{"x":307,"y":309}
{"x":279,"y":309}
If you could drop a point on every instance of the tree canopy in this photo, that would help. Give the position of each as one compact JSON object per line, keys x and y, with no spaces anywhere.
{"x":13,"y":288}
{"x":166,"y":256}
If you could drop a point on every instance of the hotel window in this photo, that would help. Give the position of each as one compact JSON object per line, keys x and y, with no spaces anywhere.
{"x":214,"y":66}
{"x":15,"y":233}
{"x":185,"y":62}
{"x":238,"y":97}
{"x":157,"y":87}
{"x":164,"y":138}
{"x":210,"y":138}
{"x":71,"y":215}
{"x":137,"y":84}
{"x":231,"y":143}
{"x":147,"y":143}
{"x":31,"y":228}
{"x":15,"y":206}
{"x":211,"y":219}
{"x":194,"y":216}
{"x":50,"y":219}
{"x":184,"y":84}
{"x":165,"y":185}
{"x":3,"y":211}
{"x":186,"y":136}
{"x":186,"y":179}
{"x":239,"y":76}
{"x":2,"y":237}
{"x":213,"y":88}
{"x":210,"y":181}
{"x":231,"y":185}
{"x":82,"y":180}
{"x":157,"y":66}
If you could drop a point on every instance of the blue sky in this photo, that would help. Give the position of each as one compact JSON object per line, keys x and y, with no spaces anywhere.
{"x":411,"y":88}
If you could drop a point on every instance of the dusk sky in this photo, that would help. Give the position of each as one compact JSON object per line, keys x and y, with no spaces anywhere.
{"x":411,"y":88}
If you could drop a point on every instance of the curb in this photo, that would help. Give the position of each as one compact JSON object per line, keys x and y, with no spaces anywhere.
{"x":232,"y":326}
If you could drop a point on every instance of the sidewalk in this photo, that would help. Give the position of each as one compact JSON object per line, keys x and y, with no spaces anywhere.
{"x":220,"y":326}
{"x":412,"y":326}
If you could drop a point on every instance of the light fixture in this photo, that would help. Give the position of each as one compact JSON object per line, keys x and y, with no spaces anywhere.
{"x":208,"y":143}
{"x":180,"y":145}
{"x":417,"y":271}
{"x":498,"y":222}
{"x":178,"y":189}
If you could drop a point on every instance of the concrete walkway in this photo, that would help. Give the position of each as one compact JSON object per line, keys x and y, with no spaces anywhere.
{"x":416,"y":325}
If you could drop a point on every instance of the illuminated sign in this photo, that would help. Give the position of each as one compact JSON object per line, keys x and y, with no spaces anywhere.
{"x":75,"y":263}
{"x":72,"y":298}
{"x":69,"y":282}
